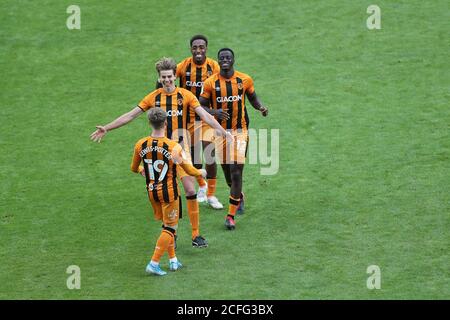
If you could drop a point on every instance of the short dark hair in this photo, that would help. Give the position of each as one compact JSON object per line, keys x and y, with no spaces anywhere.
{"x":225,"y":49}
{"x":157,"y":116}
{"x":199,"y":37}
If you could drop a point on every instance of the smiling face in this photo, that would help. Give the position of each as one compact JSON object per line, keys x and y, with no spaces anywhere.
{"x":198,"y":50}
{"x":167,"y":79}
{"x":226,"y":60}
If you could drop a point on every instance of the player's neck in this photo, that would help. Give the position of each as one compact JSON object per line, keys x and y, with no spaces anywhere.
{"x":169,"y":89}
{"x":158,"y":133}
{"x":227,"y":73}
{"x":199,"y":63}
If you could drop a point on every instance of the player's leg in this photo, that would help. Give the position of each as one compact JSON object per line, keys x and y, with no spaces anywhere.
{"x":158,"y":214}
{"x":202,"y":184}
{"x":236,"y":160}
{"x":196,"y":154}
{"x":157,"y":209}
{"x":226,"y":173}
{"x":241,"y":207}
{"x":223,"y":157}
{"x":241,"y":159}
{"x":236,"y":171}
{"x":193,"y":208}
{"x":211,"y":172}
{"x":171,"y":216}
{"x":161,"y":244}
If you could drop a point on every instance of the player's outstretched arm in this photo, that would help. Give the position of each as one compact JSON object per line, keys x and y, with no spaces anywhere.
{"x":98,"y":134}
{"x":192,"y":171}
{"x":180,"y":158}
{"x":256,"y":103}
{"x":209,"y":119}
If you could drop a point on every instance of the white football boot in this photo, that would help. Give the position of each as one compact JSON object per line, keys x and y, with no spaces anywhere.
{"x":214,"y":203}
{"x":201,"y":193}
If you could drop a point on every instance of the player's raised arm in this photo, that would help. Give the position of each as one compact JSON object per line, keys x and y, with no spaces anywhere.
{"x":256,"y":103}
{"x":98,"y":134}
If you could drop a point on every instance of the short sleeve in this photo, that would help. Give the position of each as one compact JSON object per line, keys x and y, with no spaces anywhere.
{"x":178,"y":154}
{"x":136,"y":160}
{"x":148,"y":102}
{"x":248,"y":85}
{"x":193,"y":101}
{"x":206,"y":89}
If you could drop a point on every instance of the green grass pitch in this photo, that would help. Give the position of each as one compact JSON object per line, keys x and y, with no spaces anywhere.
{"x":364,"y":150}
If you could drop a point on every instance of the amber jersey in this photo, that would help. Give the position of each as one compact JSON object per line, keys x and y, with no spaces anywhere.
{"x":192,"y":76}
{"x":229,"y":95}
{"x":177,"y":105}
{"x":160,"y":157}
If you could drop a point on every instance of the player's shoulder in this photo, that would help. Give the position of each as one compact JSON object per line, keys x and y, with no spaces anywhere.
{"x":185,"y":93}
{"x":141,"y":141}
{"x":184,"y":62}
{"x":242,"y":75}
{"x":212,"y":78}
{"x":171,"y":143}
{"x":211,"y":61}
{"x":154,"y":93}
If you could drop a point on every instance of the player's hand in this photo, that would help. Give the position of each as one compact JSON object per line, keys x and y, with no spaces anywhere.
{"x":264,"y":111}
{"x":142,"y":172}
{"x":98,"y":134}
{"x":203,"y":171}
{"x":222,"y":115}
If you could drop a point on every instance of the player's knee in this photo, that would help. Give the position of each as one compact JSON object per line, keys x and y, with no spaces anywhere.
{"x":236,"y":176}
{"x":191,"y":196}
{"x":188,"y":185}
{"x":172,"y":229}
{"x":190,"y":192}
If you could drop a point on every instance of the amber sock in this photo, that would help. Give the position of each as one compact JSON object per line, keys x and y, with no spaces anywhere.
{"x":193,"y":211}
{"x":171,"y":249}
{"x":162,"y":245}
{"x":234,"y":203}
{"x":201,"y":182}
{"x":211,"y":187}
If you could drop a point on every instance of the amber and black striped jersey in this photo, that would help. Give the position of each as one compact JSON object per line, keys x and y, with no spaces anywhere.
{"x":177,"y":106}
{"x":160,"y":157}
{"x":192,"y":76}
{"x":229,"y":95}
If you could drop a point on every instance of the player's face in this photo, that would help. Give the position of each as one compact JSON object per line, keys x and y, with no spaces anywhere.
{"x":198,"y":50}
{"x":167,"y":78}
{"x":226,"y":60}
